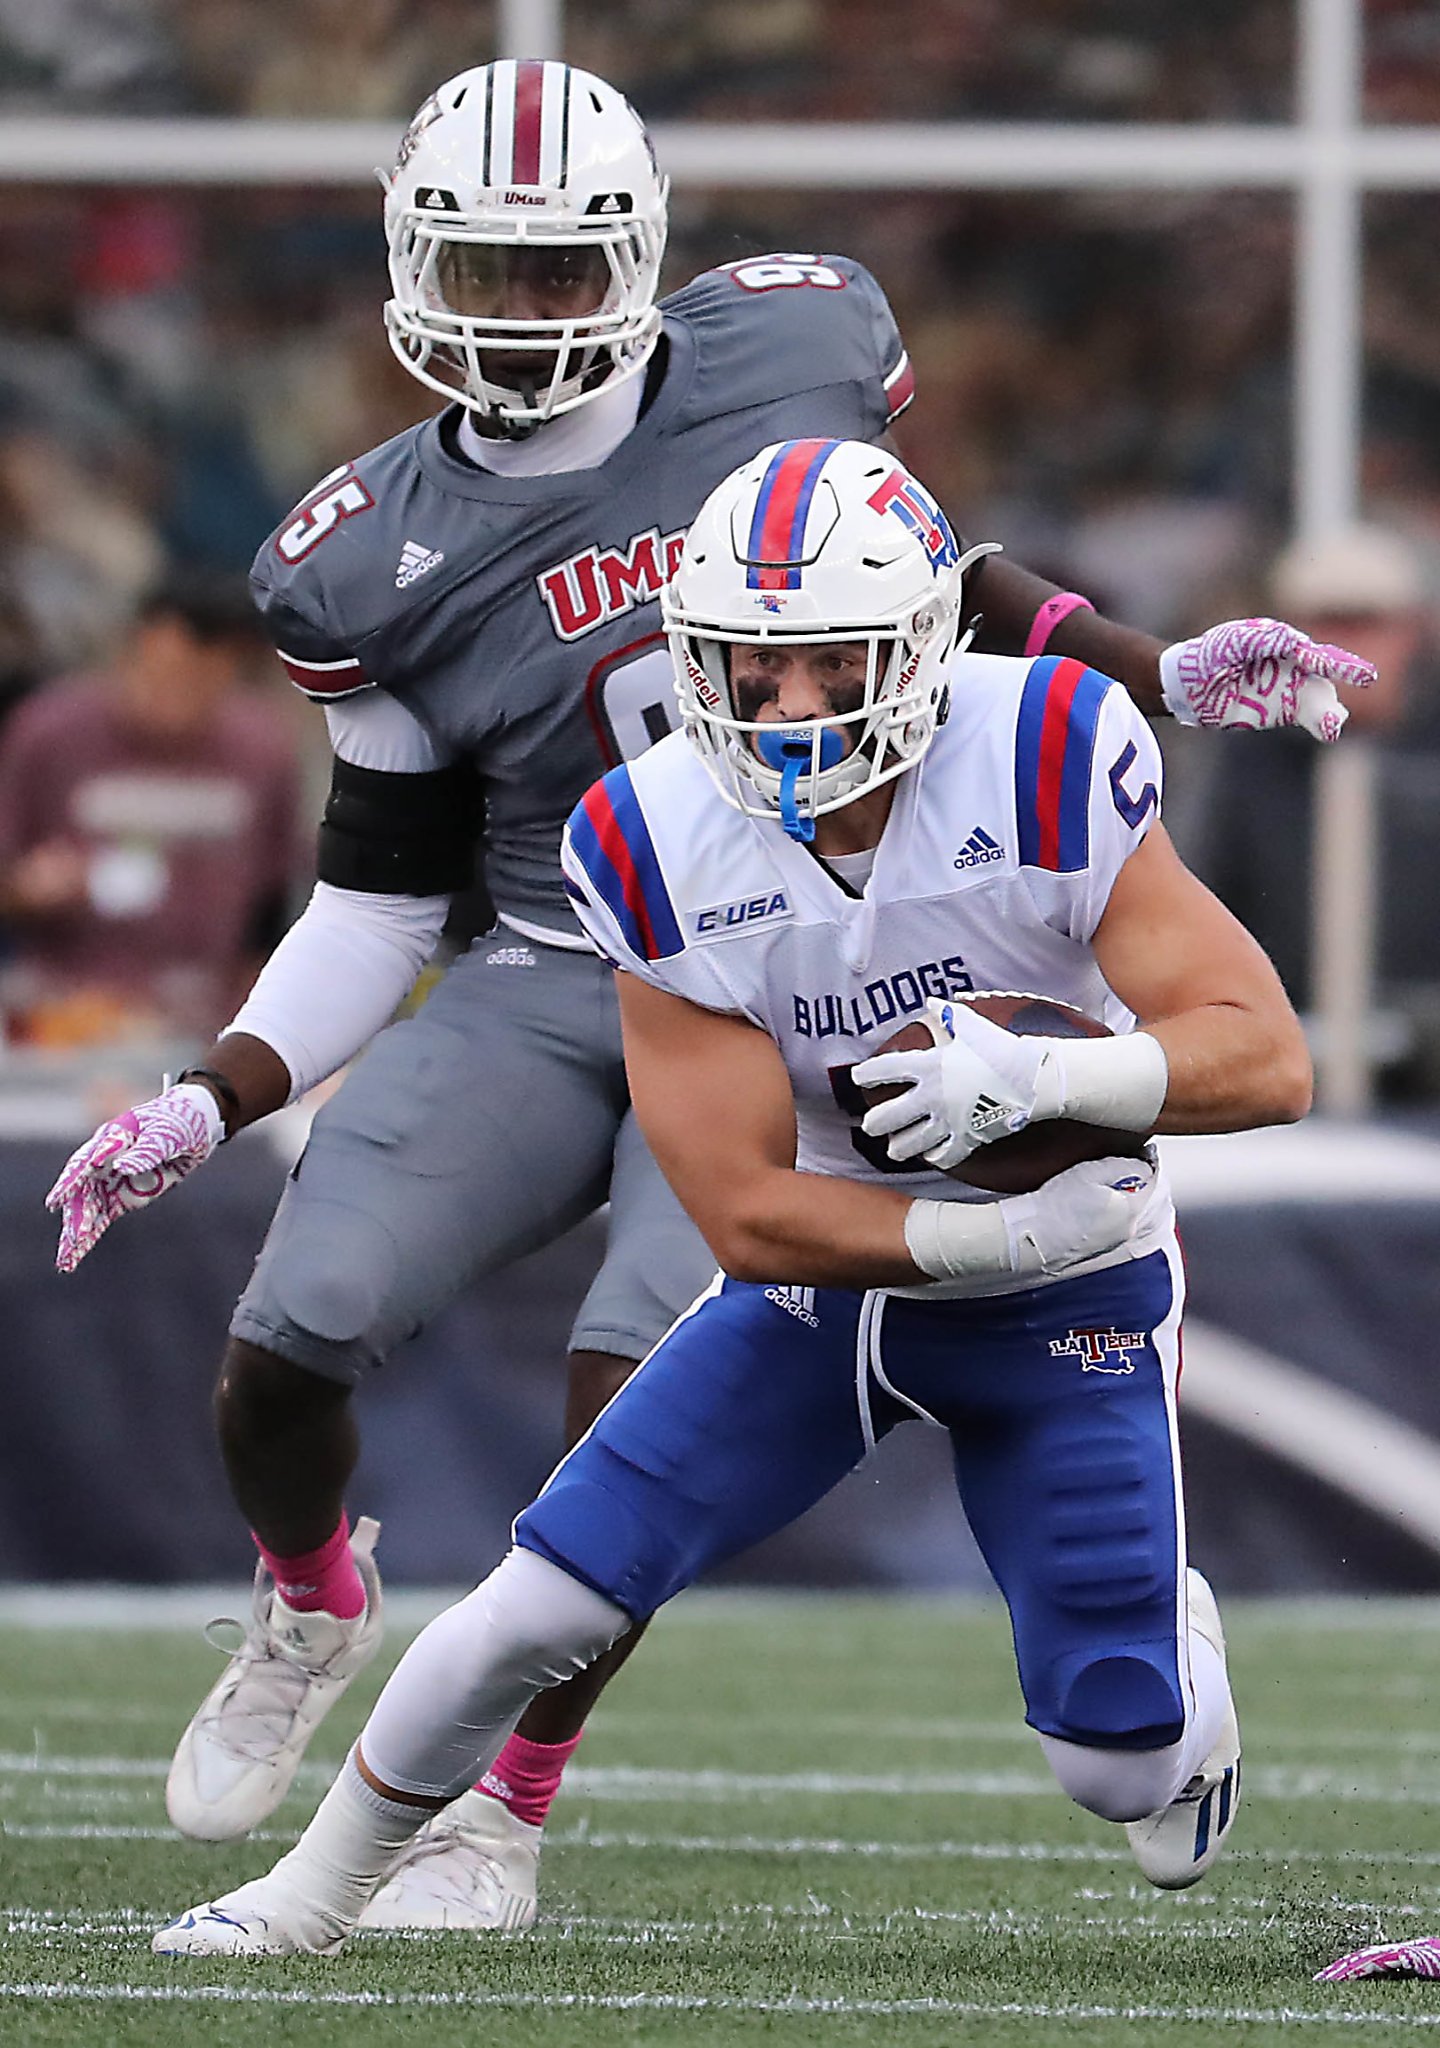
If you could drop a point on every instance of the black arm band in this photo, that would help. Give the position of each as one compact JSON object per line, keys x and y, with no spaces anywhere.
{"x":401,"y":835}
{"x":226,"y":1090}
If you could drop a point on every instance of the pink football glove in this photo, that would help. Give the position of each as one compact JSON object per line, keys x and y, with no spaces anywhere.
{"x":1420,"y":1958}
{"x":1260,"y":673}
{"x":128,"y":1162}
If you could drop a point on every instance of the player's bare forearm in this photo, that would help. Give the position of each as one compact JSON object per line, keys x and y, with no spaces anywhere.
{"x":715,"y":1104}
{"x":1199,"y":984}
{"x":256,"y":1072}
{"x":1008,"y":597}
{"x":1230,"y":1071}
{"x":803,"y":1229}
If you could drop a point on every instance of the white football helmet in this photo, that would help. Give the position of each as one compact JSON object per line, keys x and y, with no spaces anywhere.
{"x":810,"y":541}
{"x":531,"y":156}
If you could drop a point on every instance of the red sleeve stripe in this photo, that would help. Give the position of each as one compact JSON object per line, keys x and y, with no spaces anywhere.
{"x":899,"y":387}
{"x":612,"y":842}
{"x":324,"y":678}
{"x":1055,"y":738}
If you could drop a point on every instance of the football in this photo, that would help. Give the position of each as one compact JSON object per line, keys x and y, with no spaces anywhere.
{"x":1022,"y":1162}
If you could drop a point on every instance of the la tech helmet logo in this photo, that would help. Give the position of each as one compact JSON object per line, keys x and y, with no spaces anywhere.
{"x":604,"y":583}
{"x":902,"y":497}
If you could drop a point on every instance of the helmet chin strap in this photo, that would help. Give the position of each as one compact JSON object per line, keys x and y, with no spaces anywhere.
{"x":507,"y":429}
{"x":789,"y":751}
{"x":527,"y":390}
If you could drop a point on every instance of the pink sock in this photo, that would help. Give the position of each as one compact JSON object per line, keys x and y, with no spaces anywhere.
{"x":324,"y":1578}
{"x":526,"y":1776}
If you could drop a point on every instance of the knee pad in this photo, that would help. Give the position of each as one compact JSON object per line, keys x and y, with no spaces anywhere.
{"x":1126,"y":1700}
{"x":329,"y":1273}
{"x":1106,"y":1517}
{"x":538,"y":1620}
{"x":604,"y":1540}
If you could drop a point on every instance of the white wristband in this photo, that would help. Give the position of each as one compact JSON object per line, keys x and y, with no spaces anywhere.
{"x":959,"y":1240}
{"x":200,"y":1097}
{"x":1172,"y":685}
{"x":1118,"y":1082}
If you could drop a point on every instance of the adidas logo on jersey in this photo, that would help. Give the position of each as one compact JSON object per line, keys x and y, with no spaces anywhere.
{"x":415,"y":561}
{"x":979,"y":849}
{"x":796,"y":1301}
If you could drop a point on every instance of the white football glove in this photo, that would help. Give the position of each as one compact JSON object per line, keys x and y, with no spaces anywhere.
{"x":1260,"y":673}
{"x":1081,"y":1214}
{"x":975,"y":1084}
{"x":1089,"y":1209}
{"x":129,"y":1162}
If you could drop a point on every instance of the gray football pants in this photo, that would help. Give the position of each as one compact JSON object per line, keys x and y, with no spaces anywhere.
{"x":476,"y":1131}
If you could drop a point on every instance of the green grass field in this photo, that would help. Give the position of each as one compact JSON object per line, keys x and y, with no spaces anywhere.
{"x":794,"y":1820}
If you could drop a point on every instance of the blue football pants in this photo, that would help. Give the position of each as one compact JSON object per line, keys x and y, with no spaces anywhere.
{"x":1060,"y":1406}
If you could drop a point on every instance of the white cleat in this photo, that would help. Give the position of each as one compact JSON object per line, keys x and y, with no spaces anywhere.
{"x":268,"y":1917}
{"x":1177,"y":1845}
{"x":236,"y":1760}
{"x":474,"y":1867}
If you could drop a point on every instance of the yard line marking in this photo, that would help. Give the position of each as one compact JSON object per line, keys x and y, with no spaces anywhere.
{"x":650,"y":2001}
{"x":891,"y":1730}
{"x":581,"y":1837}
{"x":648,"y":1784}
{"x":40,"y":1764}
{"x":616,"y":1781}
{"x":27,"y":1763}
{"x":757,"y":1922}
{"x":99,"y":1831}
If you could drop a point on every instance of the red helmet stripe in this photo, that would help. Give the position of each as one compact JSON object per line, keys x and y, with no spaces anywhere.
{"x":529,"y":106}
{"x":777,"y":531}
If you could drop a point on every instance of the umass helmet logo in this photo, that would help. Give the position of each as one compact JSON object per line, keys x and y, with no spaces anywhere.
{"x":601,"y":584}
{"x":410,"y":140}
{"x":901,"y":496}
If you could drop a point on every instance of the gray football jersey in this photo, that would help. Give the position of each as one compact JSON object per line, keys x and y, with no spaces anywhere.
{"x":517,"y":617}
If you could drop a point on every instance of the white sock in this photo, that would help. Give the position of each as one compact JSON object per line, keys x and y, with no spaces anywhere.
{"x":464,"y":1682}
{"x":350,"y":1844}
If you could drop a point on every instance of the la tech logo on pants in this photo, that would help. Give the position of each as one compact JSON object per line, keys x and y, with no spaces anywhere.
{"x":1100,"y":1350}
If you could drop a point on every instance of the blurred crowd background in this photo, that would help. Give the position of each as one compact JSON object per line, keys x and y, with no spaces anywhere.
{"x":1103,"y":378}
{"x":1105,"y":384}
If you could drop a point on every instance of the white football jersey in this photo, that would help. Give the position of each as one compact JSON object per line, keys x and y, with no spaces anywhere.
{"x":994,"y":868}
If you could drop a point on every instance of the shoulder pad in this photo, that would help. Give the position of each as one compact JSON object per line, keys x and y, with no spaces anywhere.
{"x":801,"y":321}
{"x":316,"y":663}
{"x":610,"y":838}
{"x":323,"y":578}
{"x":1055,"y":733}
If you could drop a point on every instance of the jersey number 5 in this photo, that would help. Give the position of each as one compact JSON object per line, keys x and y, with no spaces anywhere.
{"x":1133,"y":809}
{"x":873,"y":1151}
{"x":321,"y":516}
